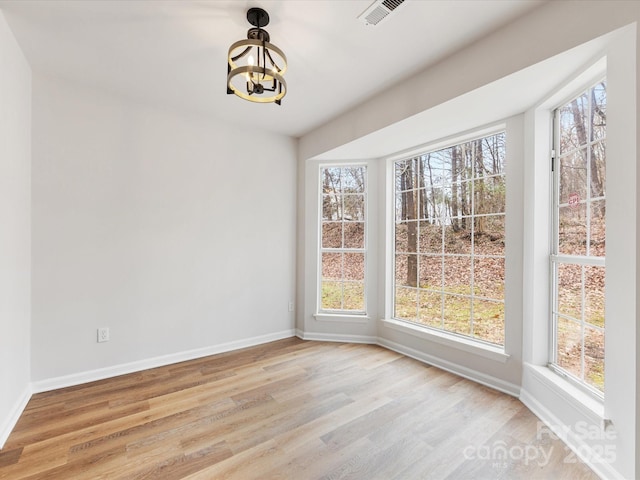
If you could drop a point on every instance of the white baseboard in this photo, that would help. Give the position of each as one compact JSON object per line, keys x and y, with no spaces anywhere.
{"x":108,"y":372}
{"x":478,"y":377}
{"x":10,"y":422}
{"x":336,"y":337}
{"x":578,"y":446}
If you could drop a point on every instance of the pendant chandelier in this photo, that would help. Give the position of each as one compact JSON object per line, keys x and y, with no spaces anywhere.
{"x":255,"y":67}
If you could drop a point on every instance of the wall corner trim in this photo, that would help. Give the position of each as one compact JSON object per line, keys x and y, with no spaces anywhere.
{"x":10,"y":422}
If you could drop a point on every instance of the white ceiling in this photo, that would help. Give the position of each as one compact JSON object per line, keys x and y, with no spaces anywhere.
{"x":173,"y":53}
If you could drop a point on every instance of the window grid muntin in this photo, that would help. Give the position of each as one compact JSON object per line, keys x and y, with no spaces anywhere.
{"x":342,"y":250}
{"x":558,"y":259}
{"x":469,"y":180}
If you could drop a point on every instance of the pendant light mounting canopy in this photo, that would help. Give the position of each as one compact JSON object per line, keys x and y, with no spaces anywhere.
{"x":257,"y":17}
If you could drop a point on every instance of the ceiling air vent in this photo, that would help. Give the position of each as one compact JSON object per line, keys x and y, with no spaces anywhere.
{"x":378,"y":11}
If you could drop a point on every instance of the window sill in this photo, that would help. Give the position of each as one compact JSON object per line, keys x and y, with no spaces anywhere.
{"x":487,"y":351}
{"x":343,"y":318}
{"x":590,"y":406}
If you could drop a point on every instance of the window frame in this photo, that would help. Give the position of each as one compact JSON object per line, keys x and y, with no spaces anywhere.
{"x":555,"y":258}
{"x":357,"y":316}
{"x":440,"y":335}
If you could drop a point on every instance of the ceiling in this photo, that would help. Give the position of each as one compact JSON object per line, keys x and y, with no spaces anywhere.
{"x":172,"y":53}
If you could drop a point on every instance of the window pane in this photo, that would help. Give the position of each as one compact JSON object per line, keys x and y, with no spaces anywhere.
{"x":437,"y":164}
{"x":352,"y":180}
{"x":488,"y":278}
{"x":594,"y":295}
{"x":599,"y":106}
{"x":331,"y":180}
{"x":353,"y":234}
{"x":331,"y":266}
{"x":430,"y":272}
{"x":598,"y":171}
{"x":407,"y":270}
{"x":493,"y":157}
{"x":569,"y":353}
{"x":489,"y":195}
{"x":457,"y":314}
{"x":594,"y":357}
{"x":401,"y":236}
{"x":409,"y":205}
{"x":407,"y":174}
{"x":598,"y":230}
{"x":457,"y":275}
{"x":353,"y":207}
{"x":407,"y":237}
{"x":430,"y":308}
{"x":573,"y":178}
{"x":488,"y":321}
{"x":573,"y":123}
{"x":406,"y":303}
{"x":331,"y":207}
{"x":436,"y":203}
{"x":401,"y":168}
{"x":570,"y":290}
{"x":331,"y":234}
{"x":458,"y":197}
{"x":353,"y":266}
{"x":354,"y":296}
{"x":572,"y":230}
{"x":432,"y":170}
{"x":426,"y":210}
{"x":457,"y":240}
{"x":491,"y":241}
{"x":399,"y":204}
{"x":331,"y":295}
{"x":430,"y":237}
{"x":463,"y":160}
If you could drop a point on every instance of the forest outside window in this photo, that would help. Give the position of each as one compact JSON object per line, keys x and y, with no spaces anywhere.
{"x":449,"y":239}
{"x":578,"y":256}
{"x":343,"y":195}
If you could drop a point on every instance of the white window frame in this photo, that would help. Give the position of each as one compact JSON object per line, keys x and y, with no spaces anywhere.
{"x":460,"y":341}
{"x":556,"y":259}
{"x":342,"y":314}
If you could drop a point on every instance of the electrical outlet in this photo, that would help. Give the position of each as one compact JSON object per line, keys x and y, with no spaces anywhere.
{"x":103,"y":334}
{"x":291,"y":306}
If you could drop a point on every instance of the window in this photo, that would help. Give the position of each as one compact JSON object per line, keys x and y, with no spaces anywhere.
{"x":578,"y":246}
{"x":343,"y":239}
{"x":449,"y":239}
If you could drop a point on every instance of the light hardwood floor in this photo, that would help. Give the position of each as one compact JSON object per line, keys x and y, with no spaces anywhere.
{"x":285,"y":410}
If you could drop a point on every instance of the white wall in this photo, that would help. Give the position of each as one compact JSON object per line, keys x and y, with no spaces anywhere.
{"x":177,"y":233}
{"x":15,"y":230}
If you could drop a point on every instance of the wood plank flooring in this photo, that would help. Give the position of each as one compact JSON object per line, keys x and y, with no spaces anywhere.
{"x":285,"y":410}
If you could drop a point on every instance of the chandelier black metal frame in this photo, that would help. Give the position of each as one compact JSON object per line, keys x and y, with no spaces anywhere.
{"x":255,"y":67}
